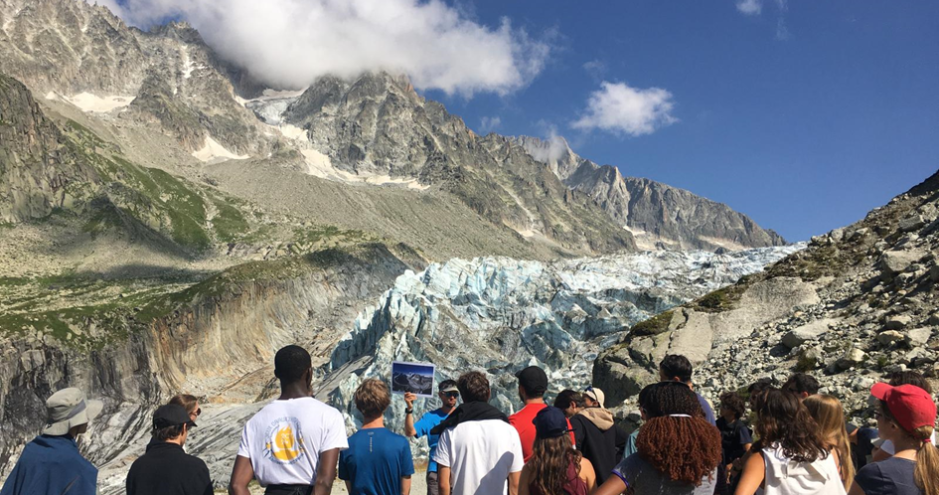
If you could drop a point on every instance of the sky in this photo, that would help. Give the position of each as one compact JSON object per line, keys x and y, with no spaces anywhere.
{"x":802,"y":115}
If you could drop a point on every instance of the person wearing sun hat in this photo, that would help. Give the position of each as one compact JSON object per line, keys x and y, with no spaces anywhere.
{"x":555,"y":466}
{"x":51,"y":463}
{"x":906,"y":415}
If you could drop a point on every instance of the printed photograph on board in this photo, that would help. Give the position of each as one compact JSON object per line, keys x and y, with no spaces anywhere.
{"x":417,"y":378}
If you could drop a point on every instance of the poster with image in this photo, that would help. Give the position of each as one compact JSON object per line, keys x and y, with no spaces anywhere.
{"x":417,"y":378}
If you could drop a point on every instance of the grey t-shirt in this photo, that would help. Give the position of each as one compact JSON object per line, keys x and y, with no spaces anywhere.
{"x":893,"y":476}
{"x":644,"y":479}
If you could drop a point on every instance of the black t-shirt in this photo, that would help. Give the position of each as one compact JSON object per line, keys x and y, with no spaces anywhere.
{"x":733,"y":437}
{"x":166,"y":470}
{"x":893,"y":476}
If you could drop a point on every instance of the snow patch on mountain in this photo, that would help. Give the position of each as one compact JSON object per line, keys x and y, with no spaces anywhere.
{"x":91,"y":103}
{"x":213,"y":151}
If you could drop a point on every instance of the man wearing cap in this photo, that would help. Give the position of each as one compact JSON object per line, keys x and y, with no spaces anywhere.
{"x":906,"y":415}
{"x":51,"y":463}
{"x":595,"y":434}
{"x":165,"y":468}
{"x":532,"y":385}
{"x":448,"y":394}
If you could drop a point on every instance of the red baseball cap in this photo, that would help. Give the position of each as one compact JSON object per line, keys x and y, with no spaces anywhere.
{"x":910,"y":405}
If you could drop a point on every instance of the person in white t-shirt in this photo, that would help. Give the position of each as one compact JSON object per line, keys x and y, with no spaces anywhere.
{"x":479,"y":452}
{"x":292,"y":445}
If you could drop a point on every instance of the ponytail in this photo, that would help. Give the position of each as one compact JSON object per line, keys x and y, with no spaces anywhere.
{"x":926,"y":474}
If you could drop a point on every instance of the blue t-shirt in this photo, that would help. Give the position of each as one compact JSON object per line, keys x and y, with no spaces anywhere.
{"x":423,"y":426}
{"x":708,"y":412}
{"x":50,"y":465}
{"x":375,"y":462}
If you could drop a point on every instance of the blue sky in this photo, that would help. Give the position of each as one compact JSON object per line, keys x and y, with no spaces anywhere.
{"x":803,"y":117}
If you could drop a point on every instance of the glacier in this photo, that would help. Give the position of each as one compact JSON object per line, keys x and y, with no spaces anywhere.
{"x":500,"y":315}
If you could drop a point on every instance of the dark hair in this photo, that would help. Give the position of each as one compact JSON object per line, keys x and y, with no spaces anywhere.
{"x":684,"y":449}
{"x":676,"y":366}
{"x":564,"y":399}
{"x":757,"y":391}
{"x":166,"y":433}
{"x":785,"y":421}
{"x":446,"y":383}
{"x":291,"y":362}
{"x":550,"y":458}
{"x":802,"y":383}
{"x":913,"y":378}
{"x":473,"y":386}
{"x":372,"y":398}
{"x":733,"y":402}
{"x":187,"y":401}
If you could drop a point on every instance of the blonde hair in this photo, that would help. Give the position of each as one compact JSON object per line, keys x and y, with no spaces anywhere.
{"x":372,"y":398}
{"x":829,"y":414}
{"x":926,"y":474}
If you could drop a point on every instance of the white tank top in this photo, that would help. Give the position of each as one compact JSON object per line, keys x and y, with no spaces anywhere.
{"x":787,"y":477}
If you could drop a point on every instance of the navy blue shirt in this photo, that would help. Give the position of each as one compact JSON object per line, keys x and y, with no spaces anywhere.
{"x":375,"y":462}
{"x":423,"y":426}
{"x":893,"y":476}
{"x":51,"y":466}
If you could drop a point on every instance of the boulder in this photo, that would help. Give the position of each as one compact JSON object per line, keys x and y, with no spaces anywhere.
{"x":851,"y":358}
{"x":805,"y":333}
{"x":896,"y":322}
{"x":918,"y":336}
{"x":895,"y":262}
{"x":910,"y":223}
{"x":890,"y":337}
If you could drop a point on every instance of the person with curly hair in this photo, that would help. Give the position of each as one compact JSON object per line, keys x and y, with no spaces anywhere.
{"x":555,"y":467}
{"x":735,"y":435}
{"x":678,"y":449}
{"x":906,"y":415}
{"x":829,"y":414}
{"x":792,"y":458}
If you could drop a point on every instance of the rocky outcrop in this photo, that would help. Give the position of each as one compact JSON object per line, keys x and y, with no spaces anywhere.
{"x":378,"y":125}
{"x":658,"y":215}
{"x":215,"y":340}
{"x":857,"y":303}
{"x":64,"y":48}
{"x":37,"y":171}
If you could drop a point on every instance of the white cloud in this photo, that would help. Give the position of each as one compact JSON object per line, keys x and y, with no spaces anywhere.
{"x":621,"y":109}
{"x":750,"y":7}
{"x":489,"y":124}
{"x":595,"y":68}
{"x":289,"y":43}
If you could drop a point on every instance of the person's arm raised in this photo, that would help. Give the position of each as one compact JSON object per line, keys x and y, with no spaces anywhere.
{"x":409,"y":430}
{"x":326,"y":472}
{"x":241,"y":475}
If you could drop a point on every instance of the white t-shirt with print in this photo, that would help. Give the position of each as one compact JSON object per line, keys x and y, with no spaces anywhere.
{"x":284,"y":440}
{"x":480,"y":455}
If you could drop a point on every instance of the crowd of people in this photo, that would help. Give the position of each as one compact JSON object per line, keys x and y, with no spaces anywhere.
{"x":794,"y":441}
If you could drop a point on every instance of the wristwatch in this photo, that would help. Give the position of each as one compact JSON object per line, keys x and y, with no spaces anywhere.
{"x":408,"y":411}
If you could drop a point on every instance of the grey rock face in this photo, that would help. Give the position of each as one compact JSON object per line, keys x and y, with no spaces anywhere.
{"x":70,"y":47}
{"x":657,"y":214}
{"x":827,"y":310}
{"x":377,"y":124}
